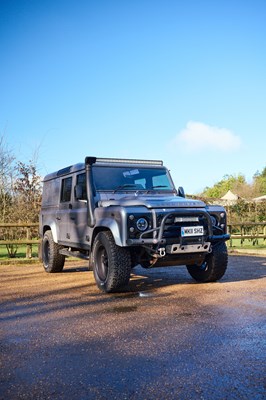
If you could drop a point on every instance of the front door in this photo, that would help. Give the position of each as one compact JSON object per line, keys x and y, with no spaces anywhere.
{"x":78,"y":224}
{"x":63,"y":213}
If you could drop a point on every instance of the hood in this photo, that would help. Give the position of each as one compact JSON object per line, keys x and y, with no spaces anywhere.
{"x":154,"y":202}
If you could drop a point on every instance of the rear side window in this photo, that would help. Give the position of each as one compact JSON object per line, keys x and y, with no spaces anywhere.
{"x":66,"y":189}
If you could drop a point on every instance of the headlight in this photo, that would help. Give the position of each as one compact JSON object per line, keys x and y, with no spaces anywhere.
{"x":142,"y":224}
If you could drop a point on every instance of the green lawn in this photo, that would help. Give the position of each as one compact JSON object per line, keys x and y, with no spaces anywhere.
{"x":20,"y":253}
{"x":247,"y":244}
{"x":236,"y":244}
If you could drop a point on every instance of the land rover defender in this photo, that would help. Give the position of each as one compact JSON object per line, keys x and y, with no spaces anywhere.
{"x":119,"y":213}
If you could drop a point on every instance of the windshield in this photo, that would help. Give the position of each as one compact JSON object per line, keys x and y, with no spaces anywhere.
{"x":126,"y":179}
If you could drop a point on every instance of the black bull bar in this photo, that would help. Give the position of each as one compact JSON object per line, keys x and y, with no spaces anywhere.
{"x":158,"y":232}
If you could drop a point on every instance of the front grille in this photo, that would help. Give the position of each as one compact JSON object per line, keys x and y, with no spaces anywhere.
{"x":172,"y":228}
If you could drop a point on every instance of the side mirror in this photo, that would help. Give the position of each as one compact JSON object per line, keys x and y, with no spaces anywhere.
{"x":181,"y":192}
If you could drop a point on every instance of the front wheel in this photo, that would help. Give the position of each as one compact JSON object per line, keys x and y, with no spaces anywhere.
{"x":53,"y":261}
{"x":214,"y":266}
{"x":111,"y":263}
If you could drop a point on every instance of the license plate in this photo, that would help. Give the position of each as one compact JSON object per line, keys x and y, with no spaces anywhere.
{"x":192,"y":231}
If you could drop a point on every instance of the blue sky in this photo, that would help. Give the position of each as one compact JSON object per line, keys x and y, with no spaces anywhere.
{"x":182,"y":81}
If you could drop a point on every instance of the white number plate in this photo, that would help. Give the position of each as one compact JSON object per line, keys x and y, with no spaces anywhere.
{"x":192,"y":231}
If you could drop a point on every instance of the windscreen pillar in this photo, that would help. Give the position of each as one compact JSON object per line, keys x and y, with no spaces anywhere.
{"x":89,"y":161}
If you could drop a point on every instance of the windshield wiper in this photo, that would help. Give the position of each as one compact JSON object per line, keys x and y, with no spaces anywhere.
{"x":125,"y":186}
{"x":157,"y":187}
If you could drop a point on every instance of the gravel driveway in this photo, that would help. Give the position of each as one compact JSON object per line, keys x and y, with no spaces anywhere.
{"x":165,"y":337}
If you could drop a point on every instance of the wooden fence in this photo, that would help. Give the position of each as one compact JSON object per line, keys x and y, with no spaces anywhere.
{"x":251,"y":231}
{"x":28,"y":235}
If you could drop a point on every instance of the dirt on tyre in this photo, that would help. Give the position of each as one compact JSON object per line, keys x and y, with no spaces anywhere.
{"x":111,"y":263}
{"x":214,"y":266}
{"x":53,"y":261}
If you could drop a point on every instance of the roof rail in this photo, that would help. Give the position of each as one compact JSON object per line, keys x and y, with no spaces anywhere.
{"x":128,"y":161}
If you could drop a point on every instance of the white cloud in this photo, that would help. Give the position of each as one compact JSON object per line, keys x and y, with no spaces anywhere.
{"x":198,"y":136}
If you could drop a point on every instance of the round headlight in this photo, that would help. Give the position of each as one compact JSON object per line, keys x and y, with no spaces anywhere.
{"x":142,"y":224}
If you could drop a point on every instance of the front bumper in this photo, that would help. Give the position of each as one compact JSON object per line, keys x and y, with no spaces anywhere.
{"x":158,"y":239}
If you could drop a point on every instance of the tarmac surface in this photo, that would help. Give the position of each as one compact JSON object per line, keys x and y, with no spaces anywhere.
{"x":164,"y":337}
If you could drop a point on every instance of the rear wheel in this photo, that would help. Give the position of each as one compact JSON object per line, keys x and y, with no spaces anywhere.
{"x":111,"y":263}
{"x":53,"y":261}
{"x":214,"y":266}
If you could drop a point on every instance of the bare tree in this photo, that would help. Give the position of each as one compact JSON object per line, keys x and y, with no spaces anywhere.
{"x":7,"y":176}
{"x":27,"y":190}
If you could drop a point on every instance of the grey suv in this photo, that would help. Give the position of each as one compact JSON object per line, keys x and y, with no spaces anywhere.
{"x":119,"y":213}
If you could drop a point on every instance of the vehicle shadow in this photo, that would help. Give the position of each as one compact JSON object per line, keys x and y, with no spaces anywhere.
{"x":77,"y":268}
{"x":240,"y":268}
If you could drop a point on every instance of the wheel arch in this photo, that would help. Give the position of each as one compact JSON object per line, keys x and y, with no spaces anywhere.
{"x":98,"y":230}
{"x":111,"y":225}
{"x":52,"y":228}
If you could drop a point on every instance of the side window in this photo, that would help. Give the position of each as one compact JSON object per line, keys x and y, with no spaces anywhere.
{"x":81,"y":182}
{"x":66,"y":189}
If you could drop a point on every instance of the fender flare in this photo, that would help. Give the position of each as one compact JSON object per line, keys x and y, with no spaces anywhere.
{"x":53,"y":228}
{"x":112,"y":225}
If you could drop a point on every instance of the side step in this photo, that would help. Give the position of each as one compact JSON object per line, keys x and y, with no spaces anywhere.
{"x":77,"y":254}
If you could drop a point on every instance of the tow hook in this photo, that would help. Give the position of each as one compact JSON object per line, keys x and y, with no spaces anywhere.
{"x":161,"y":251}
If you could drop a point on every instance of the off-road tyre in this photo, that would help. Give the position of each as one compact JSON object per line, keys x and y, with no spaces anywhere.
{"x":52,"y":260}
{"x":111,"y":263}
{"x":214,"y":266}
